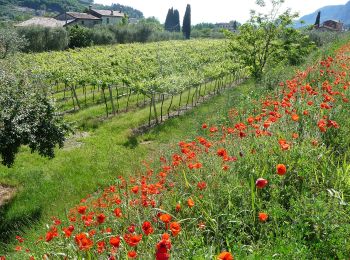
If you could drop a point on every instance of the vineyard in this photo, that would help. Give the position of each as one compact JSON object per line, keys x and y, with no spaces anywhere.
{"x":110,"y":80}
{"x":270,"y":179}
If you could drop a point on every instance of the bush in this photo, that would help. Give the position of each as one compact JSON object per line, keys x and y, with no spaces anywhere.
{"x":10,"y":42}
{"x":101,"y":35}
{"x":80,"y":37}
{"x":44,"y":39}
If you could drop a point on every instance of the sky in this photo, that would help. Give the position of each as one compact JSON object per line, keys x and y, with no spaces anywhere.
{"x":215,"y":11}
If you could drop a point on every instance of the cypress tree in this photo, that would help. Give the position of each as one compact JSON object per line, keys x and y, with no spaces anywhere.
{"x":176,"y":21}
{"x":186,"y":25}
{"x":318,"y":18}
{"x":168,"y":20}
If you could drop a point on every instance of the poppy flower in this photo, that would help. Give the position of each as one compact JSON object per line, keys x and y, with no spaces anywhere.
{"x":115,"y":241}
{"x":166,"y":218}
{"x":202,"y":185}
{"x":101,"y":247}
{"x":175,"y":228}
{"x":190,"y":202}
{"x":82,"y":209}
{"x":132,"y":254}
{"x":83,"y":242}
{"x":132,"y":240}
{"x":118,"y":212}
{"x":225,"y":256}
{"x":147,"y":228}
{"x":295,"y":117}
{"x":178,"y":207}
{"x":261,"y":183}
{"x":101,"y":218}
{"x":281,"y":169}
{"x":263,"y":217}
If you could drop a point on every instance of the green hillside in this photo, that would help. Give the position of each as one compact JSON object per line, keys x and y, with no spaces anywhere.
{"x":23,"y":9}
{"x":332,"y":12}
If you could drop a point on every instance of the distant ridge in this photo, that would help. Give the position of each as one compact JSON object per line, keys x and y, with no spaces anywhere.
{"x":331,"y":12}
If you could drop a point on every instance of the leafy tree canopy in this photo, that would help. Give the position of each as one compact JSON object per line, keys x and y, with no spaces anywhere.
{"x":27,"y":117}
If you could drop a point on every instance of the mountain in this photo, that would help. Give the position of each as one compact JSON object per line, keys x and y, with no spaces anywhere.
{"x":23,"y":9}
{"x":331,"y":12}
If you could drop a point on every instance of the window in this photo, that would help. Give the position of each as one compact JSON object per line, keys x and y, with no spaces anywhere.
{"x":107,"y":20}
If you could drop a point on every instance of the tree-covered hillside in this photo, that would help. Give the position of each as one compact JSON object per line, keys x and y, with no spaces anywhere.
{"x":22,"y":9}
{"x":332,"y":12}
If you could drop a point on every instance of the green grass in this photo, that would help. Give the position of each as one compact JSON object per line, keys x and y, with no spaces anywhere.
{"x":50,"y":187}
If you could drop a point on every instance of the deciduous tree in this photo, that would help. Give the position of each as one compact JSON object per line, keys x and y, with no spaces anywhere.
{"x":27,"y":117}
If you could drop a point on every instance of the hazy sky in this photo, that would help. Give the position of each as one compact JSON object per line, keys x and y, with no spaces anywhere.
{"x":215,"y":11}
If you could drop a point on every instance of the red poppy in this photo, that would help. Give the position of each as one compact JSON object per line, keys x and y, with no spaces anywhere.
{"x":202,"y":185}
{"x":175,"y":228}
{"x":118,"y":213}
{"x":101,"y":218}
{"x":101,"y":247}
{"x":261,"y":183}
{"x":281,"y":169}
{"x":263,"y":217}
{"x":132,"y":254}
{"x":225,"y":256}
{"x":295,"y":117}
{"x":190,"y":202}
{"x":166,"y":218}
{"x":83,"y":242}
{"x":178,"y":207}
{"x":115,"y":241}
{"x":82,"y":209}
{"x":147,"y":228}
{"x":132,"y":240}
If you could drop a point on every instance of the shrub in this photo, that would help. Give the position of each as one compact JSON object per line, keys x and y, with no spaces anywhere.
{"x":44,"y":39}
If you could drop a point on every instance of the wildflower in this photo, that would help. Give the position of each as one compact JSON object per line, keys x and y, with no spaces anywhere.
{"x":202,"y":185}
{"x":190,"y":202}
{"x":166,"y":218}
{"x":225,"y":256}
{"x":118,"y":212}
{"x":222,"y":152}
{"x":101,"y":247}
{"x":115,"y":241}
{"x":83,"y":242}
{"x":295,"y":135}
{"x":82,"y":209}
{"x":135,"y":189}
{"x":19,"y":239}
{"x":178,"y":207}
{"x":261,"y":183}
{"x":147,"y":228}
{"x":132,"y":240}
{"x":295,"y":117}
{"x":284,"y":145}
{"x":163,"y":247}
{"x":263,"y":217}
{"x":132,"y":254}
{"x":281,"y":169}
{"x":225,"y":167}
{"x":175,"y":228}
{"x":204,"y":126}
{"x":101,"y":218}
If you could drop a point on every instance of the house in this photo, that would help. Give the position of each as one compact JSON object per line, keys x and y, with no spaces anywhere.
{"x":74,"y":18}
{"x":331,"y":25}
{"x":107,"y":16}
{"x":89,"y":19}
{"x":231,"y":26}
{"x":42,"y":21}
